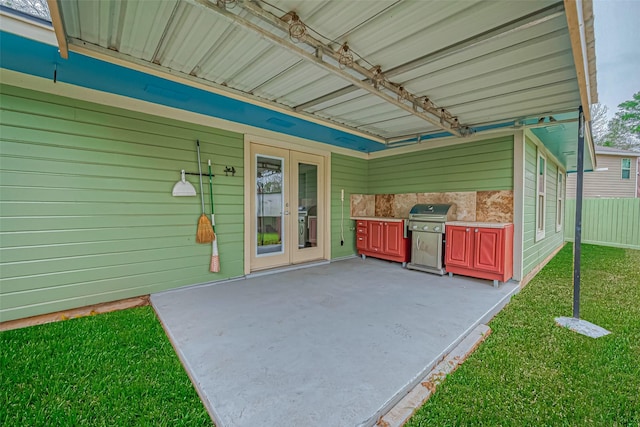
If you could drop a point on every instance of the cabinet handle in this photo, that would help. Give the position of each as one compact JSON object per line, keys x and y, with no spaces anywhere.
{"x":467,"y":230}
{"x":476,"y":230}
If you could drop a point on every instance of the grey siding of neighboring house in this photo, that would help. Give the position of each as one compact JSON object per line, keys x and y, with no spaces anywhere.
{"x":609,"y":183}
{"x":535,"y":252}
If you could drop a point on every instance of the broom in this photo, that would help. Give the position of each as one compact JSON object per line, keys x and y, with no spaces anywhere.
{"x":205,"y":229}
{"x":215,"y":258}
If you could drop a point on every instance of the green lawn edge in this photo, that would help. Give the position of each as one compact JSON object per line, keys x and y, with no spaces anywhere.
{"x":530,"y":371}
{"x":111,"y":369}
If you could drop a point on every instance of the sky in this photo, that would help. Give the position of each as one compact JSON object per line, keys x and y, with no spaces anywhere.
{"x":617,"y":32}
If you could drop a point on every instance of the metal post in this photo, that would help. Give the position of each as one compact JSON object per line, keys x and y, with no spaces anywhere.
{"x":578,"y":230}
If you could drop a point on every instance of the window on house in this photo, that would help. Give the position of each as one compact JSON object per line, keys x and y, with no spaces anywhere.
{"x":541,"y":201}
{"x":560,"y":201}
{"x":626,"y":168}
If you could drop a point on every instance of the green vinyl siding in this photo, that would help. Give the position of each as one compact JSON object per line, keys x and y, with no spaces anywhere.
{"x":87,"y":214}
{"x":350,"y":174}
{"x":535,"y":252}
{"x":475,"y":166}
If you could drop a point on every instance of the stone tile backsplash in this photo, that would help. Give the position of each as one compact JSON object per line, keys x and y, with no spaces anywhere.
{"x":494,"y":206}
{"x":363,"y":204}
{"x":384,"y":205}
{"x":484,"y":206}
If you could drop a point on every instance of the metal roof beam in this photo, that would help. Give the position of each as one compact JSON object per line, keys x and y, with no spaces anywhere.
{"x":536,"y":18}
{"x":399,"y":97}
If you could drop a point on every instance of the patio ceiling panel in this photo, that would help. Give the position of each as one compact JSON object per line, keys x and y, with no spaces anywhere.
{"x":317,"y":87}
{"x":227,"y":66}
{"x":130,"y":28}
{"x":335,"y":19}
{"x":374,"y":114}
{"x":441,"y":27}
{"x":566,"y":88}
{"x":428,"y":26}
{"x":301,"y":75}
{"x":516,"y":41}
{"x":182,"y":49}
{"x":506,"y":58}
{"x":399,"y":126}
{"x":332,"y":99}
{"x":498,"y":83}
{"x":543,"y":105}
{"x":485,"y":61}
{"x":363,"y":102}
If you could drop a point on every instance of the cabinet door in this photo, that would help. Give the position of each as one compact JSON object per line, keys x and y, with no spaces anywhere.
{"x":458,"y":250}
{"x":488,"y":249}
{"x":375,"y":233}
{"x":393,"y":238}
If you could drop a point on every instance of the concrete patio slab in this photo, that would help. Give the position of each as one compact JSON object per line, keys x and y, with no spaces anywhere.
{"x":335,"y":344}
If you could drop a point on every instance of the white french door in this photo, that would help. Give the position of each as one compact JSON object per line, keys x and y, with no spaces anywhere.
{"x":287,"y":207}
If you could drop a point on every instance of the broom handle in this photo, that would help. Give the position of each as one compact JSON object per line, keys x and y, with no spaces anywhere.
{"x":211,"y":195}
{"x":200,"y":170}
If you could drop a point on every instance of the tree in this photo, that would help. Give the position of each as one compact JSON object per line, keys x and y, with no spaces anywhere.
{"x":624,"y":128}
{"x":599,"y":123}
{"x":38,"y":8}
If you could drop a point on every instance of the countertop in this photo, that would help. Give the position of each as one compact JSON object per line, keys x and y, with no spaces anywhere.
{"x":378,"y":218}
{"x":478,"y":224}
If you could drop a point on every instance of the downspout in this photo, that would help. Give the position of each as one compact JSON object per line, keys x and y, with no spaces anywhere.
{"x":578,"y":225}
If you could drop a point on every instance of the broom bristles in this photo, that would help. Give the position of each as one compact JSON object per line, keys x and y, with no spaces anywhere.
{"x":205,"y":230}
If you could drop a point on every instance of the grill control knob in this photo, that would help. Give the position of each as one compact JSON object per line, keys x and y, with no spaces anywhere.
{"x":436,"y":229}
{"x":426,"y":227}
{"x":415,"y":227}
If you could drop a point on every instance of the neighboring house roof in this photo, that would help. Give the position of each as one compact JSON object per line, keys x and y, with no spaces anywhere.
{"x":613,"y":151}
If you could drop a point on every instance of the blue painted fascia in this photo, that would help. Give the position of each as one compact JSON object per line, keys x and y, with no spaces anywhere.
{"x":39,"y":59}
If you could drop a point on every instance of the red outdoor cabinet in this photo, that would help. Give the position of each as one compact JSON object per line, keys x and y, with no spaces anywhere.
{"x":383,"y":239}
{"x":481,"y":250}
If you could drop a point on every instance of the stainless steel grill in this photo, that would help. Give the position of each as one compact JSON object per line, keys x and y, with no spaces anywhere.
{"x":426,"y":223}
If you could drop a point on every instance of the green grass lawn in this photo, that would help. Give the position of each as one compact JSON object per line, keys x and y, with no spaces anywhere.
{"x":530,"y":372}
{"x":268,"y":239}
{"x":106,"y":370}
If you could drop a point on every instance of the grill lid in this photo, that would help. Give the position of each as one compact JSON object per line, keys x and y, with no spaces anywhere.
{"x":433,"y":212}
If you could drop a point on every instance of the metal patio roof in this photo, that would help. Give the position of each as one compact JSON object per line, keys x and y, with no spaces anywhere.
{"x":485,"y":62}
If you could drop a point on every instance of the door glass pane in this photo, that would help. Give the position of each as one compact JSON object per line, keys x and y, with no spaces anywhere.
{"x":307,"y":206}
{"x":270,"y":205}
